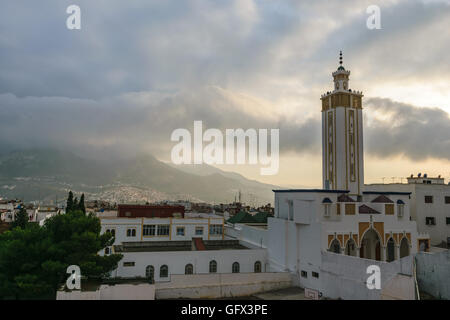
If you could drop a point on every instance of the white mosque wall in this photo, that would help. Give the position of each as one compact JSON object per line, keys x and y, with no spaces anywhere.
{"x":213,"y":286}
{"x":253,"y":236}
{"x":176,"y":262}
{"x":345,"y":277}
{"x":433,"y":273}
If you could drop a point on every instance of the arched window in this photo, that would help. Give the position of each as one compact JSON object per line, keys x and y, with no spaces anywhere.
{"x":149,"y":272}
{"x":404,"y":247}
{"x":164,"y":271}
{"x":189,"y":269}
{"x":213,"y":266}
{"x":390,"y":250}
{"x":335,"y":246}
{"x":257,"y":267}
{"x":235,"y":267}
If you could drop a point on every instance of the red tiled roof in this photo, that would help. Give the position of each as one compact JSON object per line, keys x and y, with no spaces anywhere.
{"x":367,"y":209}
{"x":382,"y":199}
{"x":344,"y":198}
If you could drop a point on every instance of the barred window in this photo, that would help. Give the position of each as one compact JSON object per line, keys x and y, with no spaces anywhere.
{"x":212,"y":266}
{"x":163,"y":230}
{"x":198,"y":231}
{"x":215,"y":229}
{"x":131,"y":232}
{"x":180,"y":231}
{"x":149,"y":230}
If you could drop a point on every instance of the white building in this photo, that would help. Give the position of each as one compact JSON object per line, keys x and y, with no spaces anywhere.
{"x":346,"y":218}
{"x":157,"y":248}
{"x":430,"y":205}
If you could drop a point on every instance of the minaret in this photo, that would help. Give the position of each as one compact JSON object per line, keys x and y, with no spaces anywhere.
{"x":342,"y":135}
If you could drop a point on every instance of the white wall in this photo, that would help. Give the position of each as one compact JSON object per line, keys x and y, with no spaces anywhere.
{"x":210,"y":286}
{"x":433,"y":273}
{"x":345,"y":276}
{"x":177,"y":260}
{"x":122,"y":224}
{"x":112,"y":292}
{"x":252,"y":235}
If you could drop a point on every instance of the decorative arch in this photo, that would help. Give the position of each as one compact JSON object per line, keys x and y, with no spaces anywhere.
{"x":404,"y":247}
{"x":351,"y":248}
{"x":390,"y":249}
{"x":370,"y":247}
{"x":335,"y":246}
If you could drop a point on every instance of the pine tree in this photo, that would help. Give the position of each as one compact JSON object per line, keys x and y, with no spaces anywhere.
{"x":69,"y":206}
{"x":75,"y":204}
{"x":81,"y":204}
{"x":21,"y":219}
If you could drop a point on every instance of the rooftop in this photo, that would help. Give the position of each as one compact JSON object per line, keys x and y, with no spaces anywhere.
{"x":160,"y":246}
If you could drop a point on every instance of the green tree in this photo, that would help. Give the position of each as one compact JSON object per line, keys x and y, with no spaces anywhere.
{"x":69,"y":206}
{"x":21,"y":218}
{"x":34,"y":260}
{"x":81,"y":205}
{"x":75,"y":204}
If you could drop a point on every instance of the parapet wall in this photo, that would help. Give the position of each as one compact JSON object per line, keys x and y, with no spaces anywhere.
{"x":433,"y":273}
{"x":207,"y":286}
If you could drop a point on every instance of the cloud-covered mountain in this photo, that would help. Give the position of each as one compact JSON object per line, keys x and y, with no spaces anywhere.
{"x":49,"y":174}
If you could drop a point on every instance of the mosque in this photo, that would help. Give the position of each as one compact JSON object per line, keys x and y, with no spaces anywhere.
{"x":345,"y":217}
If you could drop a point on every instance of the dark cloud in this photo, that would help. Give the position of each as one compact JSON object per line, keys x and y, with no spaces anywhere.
{"x":133,"y":123}
{"x":394,"y":128}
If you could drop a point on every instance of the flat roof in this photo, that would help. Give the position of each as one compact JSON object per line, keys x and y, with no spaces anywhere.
{"x":312,"y":190}
{"x":387,"y":192}
{"x":164,"y":246}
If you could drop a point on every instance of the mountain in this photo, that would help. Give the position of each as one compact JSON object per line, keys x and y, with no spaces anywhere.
{"x":48,"y":174}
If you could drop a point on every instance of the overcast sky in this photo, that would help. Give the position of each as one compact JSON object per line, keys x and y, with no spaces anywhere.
{"x":139,"y":69}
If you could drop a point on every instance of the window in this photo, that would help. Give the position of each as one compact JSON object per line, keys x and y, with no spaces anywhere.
{"x":235,"y":267}
{"x":304,"y":274}
{"x":213,"y":266}
{"x":180,"y":231}
{"x":164,"y":271}
{"x":349,"y":208}
{"x":198,"y":231}
{"x":389,"y":208}
{"x":428,"y":199}
{"x":315,"y":274}
{"x":430,"y":221}
{"x":163,"y":230}
{"x":189,"y":269}
{"x":400,"y":209}
{"x":112,"y":231}
{"x":447,"y":199}
{"x":257,"y":267}
{"x":131,"y":232}
{"x":447,"y":220}
{"x":327,"y":210}
{"x":215,"y":229}
{"x":107,"y":250}
{"x":149,"y":230}
{"x":128,"y":264}
{"x":338,"y":209}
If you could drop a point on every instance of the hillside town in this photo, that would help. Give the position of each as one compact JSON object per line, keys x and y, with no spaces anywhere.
{"x":321,"y":241}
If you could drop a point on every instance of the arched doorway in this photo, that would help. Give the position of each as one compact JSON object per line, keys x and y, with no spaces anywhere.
{"x":390,"y":250}
{"x":404,"y":248}
{"x":335,"y":246}
{"x":350,"y":248}
{"x":370,"y":245}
